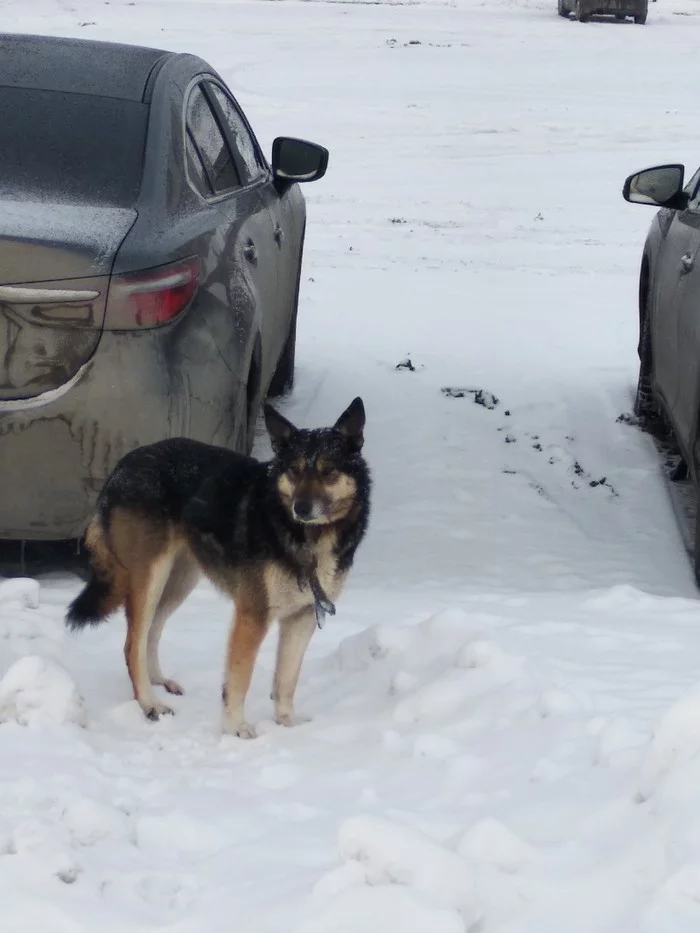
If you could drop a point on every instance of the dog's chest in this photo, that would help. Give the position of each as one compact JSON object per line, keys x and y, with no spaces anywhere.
{"x":286,"y":596}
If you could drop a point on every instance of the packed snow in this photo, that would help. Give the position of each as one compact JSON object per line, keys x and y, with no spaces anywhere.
{"x":504,"y":730}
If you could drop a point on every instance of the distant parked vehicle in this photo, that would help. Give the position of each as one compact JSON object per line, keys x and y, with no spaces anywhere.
{"x":583,"y":10}
{"x":667,"y":402}
{"x":150,"y":260}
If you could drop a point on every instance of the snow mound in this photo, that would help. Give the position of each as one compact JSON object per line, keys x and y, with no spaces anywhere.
{"x":477,"y":669}
{"x":23,"y":916}
{"x":455,"y":623}
{"x":375,"y":910}
{"x":619,"y":742}
{"x":675,"y":743}
{"x":392,"y":854}
{"x":21,"y":618}
{"x":481,"y":653}
{"x":403,"y":682}
{"x":435,"y":746}
{"x":557,"y":702}
{"x":178,"y":832}
{"x":150,"y":893}
{"x":358,"y":651}
{"x":90,"y":821}
{"x":41,"y":853}
{"x":36,"y":691}
{"x":676,"y":906}
{"x":22,"y":590}
{"x":440,"y":635}
{"x":437,"y":699}
{"x":492,"y":842}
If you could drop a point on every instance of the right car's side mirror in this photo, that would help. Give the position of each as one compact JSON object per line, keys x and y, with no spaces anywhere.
{"x":661,"y":186}
{"x":297,"y":160}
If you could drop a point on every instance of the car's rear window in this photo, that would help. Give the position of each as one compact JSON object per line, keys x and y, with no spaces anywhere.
{"x":70,"y":147}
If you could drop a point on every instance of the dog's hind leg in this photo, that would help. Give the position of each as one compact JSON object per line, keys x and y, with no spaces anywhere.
{"x":295,"y":634}
{"x":247,"y":634}
{"x":145,"y":591}
{"x":183,"y":578}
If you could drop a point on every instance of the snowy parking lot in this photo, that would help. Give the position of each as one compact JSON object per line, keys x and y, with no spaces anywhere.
{"x":505,"y":713}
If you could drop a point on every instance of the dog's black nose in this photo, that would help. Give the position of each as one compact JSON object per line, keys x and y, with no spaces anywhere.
{"x":303,"y":508}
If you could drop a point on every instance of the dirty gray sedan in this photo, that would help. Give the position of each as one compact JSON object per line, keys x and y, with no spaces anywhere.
{"x":149,"y":267}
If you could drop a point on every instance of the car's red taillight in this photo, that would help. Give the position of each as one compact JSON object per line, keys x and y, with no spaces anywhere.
{"x":151,"y":297}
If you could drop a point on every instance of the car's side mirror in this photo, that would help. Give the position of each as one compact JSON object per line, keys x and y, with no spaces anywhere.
{"x":661,"y":186}
{"x":296,"y":160}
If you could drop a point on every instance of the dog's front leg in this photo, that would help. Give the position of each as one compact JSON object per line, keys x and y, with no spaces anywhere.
{"x":295,"y":634}
{"x":247,"y":633}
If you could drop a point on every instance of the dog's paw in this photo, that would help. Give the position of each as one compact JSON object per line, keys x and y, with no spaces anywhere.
{"x":291,"y":719}
{"x":172,"y":686}
{"x":155,"y":710}
{"x":245,"y":731}
{"x":233,"y":724}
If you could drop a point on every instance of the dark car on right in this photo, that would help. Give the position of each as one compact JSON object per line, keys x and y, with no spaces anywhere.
{"x":667,"y":401}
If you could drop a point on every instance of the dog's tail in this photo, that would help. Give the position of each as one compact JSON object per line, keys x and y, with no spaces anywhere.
{"x":103,"y":594}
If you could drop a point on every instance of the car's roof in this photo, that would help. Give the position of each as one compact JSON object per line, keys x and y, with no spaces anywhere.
{"x":83,"y":66}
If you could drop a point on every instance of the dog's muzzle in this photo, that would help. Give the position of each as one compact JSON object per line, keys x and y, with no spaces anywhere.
{"x":307,"y":510}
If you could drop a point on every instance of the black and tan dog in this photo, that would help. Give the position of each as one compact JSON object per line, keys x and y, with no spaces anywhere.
{"x":278,"y":537}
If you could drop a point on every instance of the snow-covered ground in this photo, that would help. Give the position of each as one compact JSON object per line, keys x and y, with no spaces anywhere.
{"x":505,"y":730}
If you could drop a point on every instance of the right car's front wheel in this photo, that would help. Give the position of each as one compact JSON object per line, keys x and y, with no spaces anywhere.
{"x":283,"y":378}
{"x":696,"y":553}
{"x":645,"y":407}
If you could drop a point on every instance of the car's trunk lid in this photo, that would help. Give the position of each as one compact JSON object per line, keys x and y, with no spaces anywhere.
{"x":55,"y":261}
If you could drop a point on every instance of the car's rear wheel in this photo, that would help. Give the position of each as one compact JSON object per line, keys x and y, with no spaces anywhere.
{"x":246,"y":407}
{"x":561,"y":9}
{"x":579,"y":14}
{"x":640,"y":20}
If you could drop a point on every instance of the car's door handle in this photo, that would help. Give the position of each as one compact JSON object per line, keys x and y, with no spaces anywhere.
{"x":687,"y":263}
{"x":250,"y":252}
{"x":279,"y":235}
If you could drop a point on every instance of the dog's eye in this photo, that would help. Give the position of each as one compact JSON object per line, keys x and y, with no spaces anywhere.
{"x":294,"y":470}
{"x":328,"y":473}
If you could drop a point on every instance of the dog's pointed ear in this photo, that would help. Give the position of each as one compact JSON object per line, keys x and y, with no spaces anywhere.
{"x":351,"y":424}
{"x":280,"y":430}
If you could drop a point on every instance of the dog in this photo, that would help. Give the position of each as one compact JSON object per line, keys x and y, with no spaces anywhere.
{"x":277,"y":537}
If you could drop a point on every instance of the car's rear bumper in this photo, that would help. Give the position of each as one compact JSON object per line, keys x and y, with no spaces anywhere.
{"x":57,"y":451}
